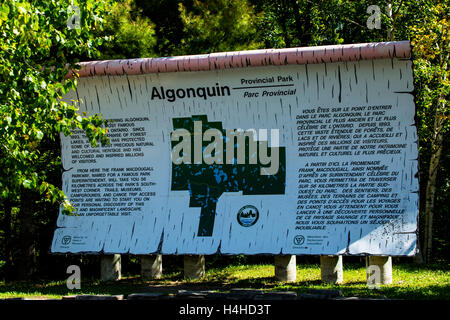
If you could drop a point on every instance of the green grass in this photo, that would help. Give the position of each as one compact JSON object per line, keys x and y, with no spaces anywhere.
{"x":409,"y":282}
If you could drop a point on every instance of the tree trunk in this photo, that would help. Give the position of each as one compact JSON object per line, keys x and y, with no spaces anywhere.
{"x":436,"y":151}
{"x":7,"y":206}
{"x":391,"y":28}
{"x":437,"y":145}
{"x":27,"y":250}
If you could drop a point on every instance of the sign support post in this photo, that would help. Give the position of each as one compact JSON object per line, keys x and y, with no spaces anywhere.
{"x":331,"y":269}
{"x":194,"y":266}
{"x":286,"y":268}
{"x":383,"y":265}
{"x":151,"y":267}
{"x":111,"y":267}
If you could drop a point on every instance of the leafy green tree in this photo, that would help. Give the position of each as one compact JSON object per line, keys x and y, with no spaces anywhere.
{"x":132,"y":34}
{"x":218,"y":26}
{"x":38,"y":47}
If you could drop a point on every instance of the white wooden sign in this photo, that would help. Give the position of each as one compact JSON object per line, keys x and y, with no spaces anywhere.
{"x":316,"y":158}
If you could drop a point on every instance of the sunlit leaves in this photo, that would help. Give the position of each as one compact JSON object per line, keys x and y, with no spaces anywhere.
{"x":36,"y":52}
{"x":4,"y":11}
{"x":127,"y":34}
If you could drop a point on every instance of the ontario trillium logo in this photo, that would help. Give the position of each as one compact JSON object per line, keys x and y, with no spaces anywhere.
{"x":248,"y":216}
{"x":66,"y":240}
{"x":299,"y":240}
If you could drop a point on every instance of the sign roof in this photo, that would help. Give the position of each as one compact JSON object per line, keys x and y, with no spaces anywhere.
{"x":251,"y":58}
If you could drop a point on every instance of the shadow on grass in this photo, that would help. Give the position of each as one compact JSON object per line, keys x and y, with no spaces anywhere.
{"x":124,"y":287}
{"x":225,"y":279}
{"x":360,"y":289}
{"x":60,"y":288}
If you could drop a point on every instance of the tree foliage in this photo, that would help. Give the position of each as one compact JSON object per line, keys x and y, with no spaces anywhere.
{"x":131,"y":35}
{"x":217,"y":26}
{"x":37,"y":50}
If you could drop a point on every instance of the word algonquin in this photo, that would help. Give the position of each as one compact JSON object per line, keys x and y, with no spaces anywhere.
{"x":201,"y":92}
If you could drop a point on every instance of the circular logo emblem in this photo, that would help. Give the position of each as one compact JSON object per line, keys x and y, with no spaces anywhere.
{"x":66,"y":240}
{"x":247,"y":216}
{"x":299,"y":240}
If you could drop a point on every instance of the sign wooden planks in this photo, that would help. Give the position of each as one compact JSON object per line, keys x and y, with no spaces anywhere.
{"x":292,"y":151}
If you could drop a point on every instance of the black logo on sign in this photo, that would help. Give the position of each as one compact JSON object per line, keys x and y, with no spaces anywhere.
{"x":66,"y":240}
{"x":247,"y":216}
{"x":299,"y":240}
